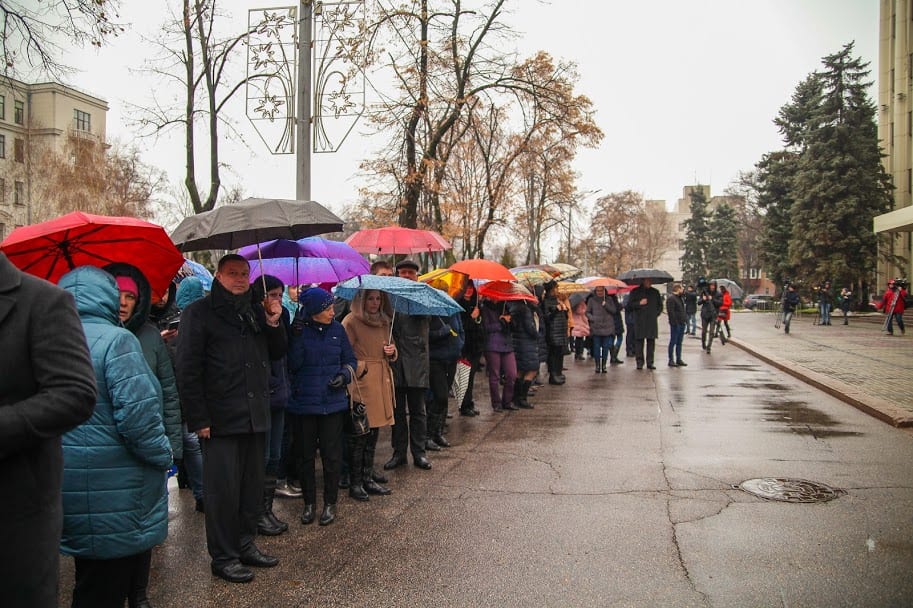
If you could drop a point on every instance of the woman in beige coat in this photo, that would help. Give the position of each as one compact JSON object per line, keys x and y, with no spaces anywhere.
{"x":368,"y":328}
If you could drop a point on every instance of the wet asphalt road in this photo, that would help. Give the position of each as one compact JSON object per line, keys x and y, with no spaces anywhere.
{"x":617,"y":490}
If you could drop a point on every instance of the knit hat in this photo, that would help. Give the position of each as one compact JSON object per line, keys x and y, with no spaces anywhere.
{"x":315,"y":300}
{"x":125,"y":283}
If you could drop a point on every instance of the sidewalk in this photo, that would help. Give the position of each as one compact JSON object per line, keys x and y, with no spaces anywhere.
{"x":857,"y":363}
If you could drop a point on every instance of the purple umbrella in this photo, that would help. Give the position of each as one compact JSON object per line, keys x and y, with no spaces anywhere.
{"x":308,"y":260}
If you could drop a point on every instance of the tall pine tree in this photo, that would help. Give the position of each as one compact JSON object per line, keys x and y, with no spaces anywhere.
{"x":821,"y":193}
{"x":694,"y":256}
{"x":722,"y":246}
{"x":840,"y":183}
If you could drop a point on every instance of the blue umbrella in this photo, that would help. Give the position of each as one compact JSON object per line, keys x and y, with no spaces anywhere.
{"x":407,"y":297}
{"x":195,"y":269}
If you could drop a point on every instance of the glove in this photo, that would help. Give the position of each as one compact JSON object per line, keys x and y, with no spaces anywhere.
{"x":338,"y":381}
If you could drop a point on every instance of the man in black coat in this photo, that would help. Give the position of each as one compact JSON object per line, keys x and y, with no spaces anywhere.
{"x":647,"y":304}
{"x":47,"y":388}
{"x":411,"y":377}
{"x":224,"y":350}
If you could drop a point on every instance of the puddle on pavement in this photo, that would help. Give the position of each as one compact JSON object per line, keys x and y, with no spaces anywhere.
{"x":802,"y":419}
{"x":770,"y":386}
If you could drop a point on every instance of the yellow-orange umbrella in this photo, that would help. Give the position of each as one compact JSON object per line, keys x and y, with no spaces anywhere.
{"x":452,"y":282}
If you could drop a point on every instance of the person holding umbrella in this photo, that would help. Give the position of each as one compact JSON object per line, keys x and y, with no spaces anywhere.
{"x":412,"y":373}
{"x":368,"y":329}
{"x":601,"y":310}
{"x":647,"y":304}
{"x":225,"y":345}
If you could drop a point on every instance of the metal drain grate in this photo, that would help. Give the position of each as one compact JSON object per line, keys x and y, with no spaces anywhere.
{"x":790,"y":490}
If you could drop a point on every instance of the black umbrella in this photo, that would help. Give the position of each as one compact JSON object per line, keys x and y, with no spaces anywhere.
{"x":254,"y":220}
{"x":634,"y":277}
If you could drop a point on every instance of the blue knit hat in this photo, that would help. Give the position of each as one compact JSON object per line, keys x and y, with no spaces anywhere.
{"x":315,"y":300}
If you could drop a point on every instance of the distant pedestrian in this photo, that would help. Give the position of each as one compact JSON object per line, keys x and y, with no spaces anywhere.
{"x":556,"y":313}
{"x":581,"y":330}
{"x":678,"y":321}
{"x":825,"y":302}
{"x":500,"y":361}
{"x":473,"y":346}
{"x":115,"y":500}
{"x":47,"y":387}
{"x":647,"y":304}
{"x":725,"y":311}
{"x":710,"y":299}
{"x":845,"y":299}
{"x":619,"y":332}
{"x":524,"y":329}
{"x":892,"y":304}
{"x":601,"y":310}
{"x":690,"y":299}
{"x":790,"y":304}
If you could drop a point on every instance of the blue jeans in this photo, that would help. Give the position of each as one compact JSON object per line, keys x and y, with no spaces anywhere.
{"x":601,"y":346}
{"x":193,"y":461}
{"x":676,"y":336}
{"x":691,"y":324}
{"x":619,"y":340}
{"x":825,"y":310}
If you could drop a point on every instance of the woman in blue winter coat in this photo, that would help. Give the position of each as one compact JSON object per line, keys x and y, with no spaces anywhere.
{"x":524,"y":324}
{"x":319,"y":361}
{"x":115,"y":501}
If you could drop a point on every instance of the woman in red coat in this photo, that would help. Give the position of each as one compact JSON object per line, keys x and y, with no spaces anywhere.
{"x":724,"y":312}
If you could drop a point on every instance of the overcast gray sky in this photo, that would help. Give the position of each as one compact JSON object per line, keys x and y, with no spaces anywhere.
{"x":685,"y":90}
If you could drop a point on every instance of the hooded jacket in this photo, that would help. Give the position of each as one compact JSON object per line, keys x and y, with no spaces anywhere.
{"x":317,"y":353}
{"x":189,"y":291}
{"x":601,"y":312}
{"x":115,"y":501}
{"x":156,"y":353}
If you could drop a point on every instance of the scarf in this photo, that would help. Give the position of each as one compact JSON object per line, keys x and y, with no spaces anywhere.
{"x":241,"y":304}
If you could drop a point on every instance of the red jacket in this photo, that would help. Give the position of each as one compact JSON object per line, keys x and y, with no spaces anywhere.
{"x":724,"y":308}
{"x":888,"y":297}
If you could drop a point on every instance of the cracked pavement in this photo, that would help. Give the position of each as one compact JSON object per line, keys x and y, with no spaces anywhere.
{"x":616,"y":490}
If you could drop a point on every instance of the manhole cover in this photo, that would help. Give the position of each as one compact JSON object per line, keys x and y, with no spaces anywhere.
{"x":790,"y":490}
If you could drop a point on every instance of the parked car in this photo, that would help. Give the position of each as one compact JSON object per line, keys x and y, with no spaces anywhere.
{"x":759,"y":301}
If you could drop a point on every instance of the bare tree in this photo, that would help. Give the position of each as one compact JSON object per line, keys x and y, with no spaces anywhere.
{"x":199,"y":61}
{"x":31,"y":32}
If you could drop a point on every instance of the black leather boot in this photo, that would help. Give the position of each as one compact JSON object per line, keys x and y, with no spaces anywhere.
{"x":328,"y":515}
{"x":522,"y":395}
{"x":371,"y":486}
{"x":310,"y":511}
{"x":265,"y":525}
{"x":356,"y":458}
{"x":269,"y":496}
{"x":370,"y":449}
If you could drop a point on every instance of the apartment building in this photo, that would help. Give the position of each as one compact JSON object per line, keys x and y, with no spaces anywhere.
{"x":895,"y":131}
{"x":35,"y":118}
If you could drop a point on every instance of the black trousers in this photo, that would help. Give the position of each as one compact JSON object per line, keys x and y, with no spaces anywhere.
{"x":639,"y":350}
{"x":409,"y":432}
{"x":327,"y":432}
{"x":441,"y":379}
{"x":105,"y":583}
{"x":233,"y":475}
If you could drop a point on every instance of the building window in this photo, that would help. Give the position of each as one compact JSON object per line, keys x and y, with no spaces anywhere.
{"x":2,"y":107}
{"x":2,"y":190}
{"x":2,"y":146}
{"x":19,"y":150}
{"x":19,"y":193}
{"x":82,"y":121}
{"x":18,"y":112}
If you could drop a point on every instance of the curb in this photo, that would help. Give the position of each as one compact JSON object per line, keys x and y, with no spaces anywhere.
{"x":879,"y":408}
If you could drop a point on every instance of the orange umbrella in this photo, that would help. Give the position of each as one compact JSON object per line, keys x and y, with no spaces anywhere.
{"x":506,"y":291}
{"x":484,"y":269}
{"x":605,"y":282}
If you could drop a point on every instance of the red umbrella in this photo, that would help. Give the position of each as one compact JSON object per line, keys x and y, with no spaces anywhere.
{"x":396,"y":240}
{"x":51,"y":249}
{"x":484,"y":269}
{"x":505,"y":291}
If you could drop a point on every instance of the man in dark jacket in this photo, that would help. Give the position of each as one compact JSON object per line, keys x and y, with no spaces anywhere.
{"x":411,"y":372}
{"x":224,"y":348}
{"x":646,"y":304}
{"x":790,"y":304}
{"x":711,"y":300}
{"x":445,"y":342}
{"x":556,"y":317}
{"x":690,"y":299}
{"x":47,"y":388}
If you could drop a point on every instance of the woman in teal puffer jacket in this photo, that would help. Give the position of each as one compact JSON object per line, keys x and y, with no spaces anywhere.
{"x":115,"y":501}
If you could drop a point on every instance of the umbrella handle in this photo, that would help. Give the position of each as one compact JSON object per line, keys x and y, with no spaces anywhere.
{"x":263,"y":279}
{"x":390,"y":337}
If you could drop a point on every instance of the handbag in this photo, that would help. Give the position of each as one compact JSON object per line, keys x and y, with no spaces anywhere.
{"x":357,"y":421}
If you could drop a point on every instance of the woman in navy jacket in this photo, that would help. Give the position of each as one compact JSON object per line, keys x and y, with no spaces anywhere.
{"x":318,"y":358}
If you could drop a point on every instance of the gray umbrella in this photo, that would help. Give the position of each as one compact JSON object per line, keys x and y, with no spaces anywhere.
{"x":634,"y":277}
{"x":254,"y":220}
